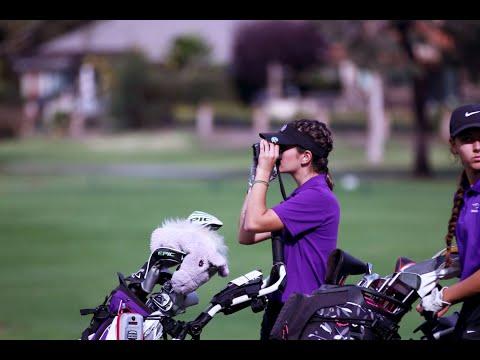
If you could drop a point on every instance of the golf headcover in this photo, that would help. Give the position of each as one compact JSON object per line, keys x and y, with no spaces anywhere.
{"x":205,"y":249}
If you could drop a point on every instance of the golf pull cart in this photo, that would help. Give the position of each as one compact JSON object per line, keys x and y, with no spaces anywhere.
{"x":250,"y":289}
{"x":133,"y":312}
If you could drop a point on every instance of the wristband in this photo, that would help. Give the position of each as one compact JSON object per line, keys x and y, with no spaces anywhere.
{"x":260,"y":182}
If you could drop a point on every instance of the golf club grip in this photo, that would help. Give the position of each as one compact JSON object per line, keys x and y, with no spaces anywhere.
{"x":277,"y":248}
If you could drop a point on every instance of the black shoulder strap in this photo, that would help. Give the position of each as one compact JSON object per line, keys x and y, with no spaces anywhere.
{"x":298,"y":310}
{"x":100,"y":314}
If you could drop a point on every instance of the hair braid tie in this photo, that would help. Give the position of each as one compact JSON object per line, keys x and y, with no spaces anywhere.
{"x":452,"y":223}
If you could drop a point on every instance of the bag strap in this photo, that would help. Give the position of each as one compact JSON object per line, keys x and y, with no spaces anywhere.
{"x":100,"y":313}
{"x":298,"y":310}
{"x":384,"y":328}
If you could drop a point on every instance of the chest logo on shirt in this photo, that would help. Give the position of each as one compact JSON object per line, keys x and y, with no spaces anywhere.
{"x":475,"y":207}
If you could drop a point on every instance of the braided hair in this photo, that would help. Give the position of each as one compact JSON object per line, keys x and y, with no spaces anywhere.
{"x":457,"y":206}
{"x":322,"y":136}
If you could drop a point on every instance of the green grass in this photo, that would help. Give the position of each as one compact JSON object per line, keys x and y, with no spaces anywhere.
{"x":182,"y":147}
{"x":63,"y":238}
{"x":158,"y":147}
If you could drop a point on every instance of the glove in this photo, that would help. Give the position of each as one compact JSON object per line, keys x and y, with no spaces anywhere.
{"x":434,"y":301}
{"x":253,"y":171}
{"x":253,"y":167}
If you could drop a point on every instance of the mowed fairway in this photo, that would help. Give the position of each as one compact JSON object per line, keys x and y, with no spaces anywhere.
{"x":63,"y":239}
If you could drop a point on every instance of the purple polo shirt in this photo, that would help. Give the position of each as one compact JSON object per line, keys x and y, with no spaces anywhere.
{"x":467,"y":231}
{"x":310,"y":216}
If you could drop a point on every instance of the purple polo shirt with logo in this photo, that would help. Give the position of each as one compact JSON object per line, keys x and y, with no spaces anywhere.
{"x":467,"y":231}
{"x":310,"y":216}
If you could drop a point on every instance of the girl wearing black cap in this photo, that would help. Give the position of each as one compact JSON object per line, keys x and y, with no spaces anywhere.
{"x":308,"y":219}
{"x":464,"y":224}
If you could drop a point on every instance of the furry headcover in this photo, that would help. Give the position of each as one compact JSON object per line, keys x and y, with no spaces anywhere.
{"x":205,"y":249}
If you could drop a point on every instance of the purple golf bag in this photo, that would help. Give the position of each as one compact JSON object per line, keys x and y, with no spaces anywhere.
{"x":122,"y":299}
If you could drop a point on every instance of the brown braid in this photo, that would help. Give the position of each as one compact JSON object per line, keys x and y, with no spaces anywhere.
{"x":322,"y":136}
{"x":452,"y":223}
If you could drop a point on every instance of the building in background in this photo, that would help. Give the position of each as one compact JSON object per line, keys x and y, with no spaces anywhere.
{"x":64,"y":74}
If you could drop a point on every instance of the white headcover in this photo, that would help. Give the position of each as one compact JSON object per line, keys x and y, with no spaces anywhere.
{"x":205,"y":250}
{"x":205,"y":219}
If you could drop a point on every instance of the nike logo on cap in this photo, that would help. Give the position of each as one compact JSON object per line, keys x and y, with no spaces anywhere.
{"x":467,"y":114}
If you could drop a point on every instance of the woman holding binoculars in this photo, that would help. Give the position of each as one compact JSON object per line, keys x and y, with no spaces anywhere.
{"x":309,"y":217}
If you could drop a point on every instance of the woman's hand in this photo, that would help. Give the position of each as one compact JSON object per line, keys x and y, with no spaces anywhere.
{"x":434,"y":302}
{"x":269,"y":153}
{"x":440,"y":313}
{"x":257,"y":217}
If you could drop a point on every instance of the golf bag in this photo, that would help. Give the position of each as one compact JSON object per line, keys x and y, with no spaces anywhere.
{"x":132,"y":311}
{"x":134,"y":296}
{"x":121,"y":300}
{"x":370,"y":310}
{"x":332,"y":313}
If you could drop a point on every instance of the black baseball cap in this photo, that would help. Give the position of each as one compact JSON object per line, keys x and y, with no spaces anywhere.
{"x":464,"y":117}
{"x":289,"y":135}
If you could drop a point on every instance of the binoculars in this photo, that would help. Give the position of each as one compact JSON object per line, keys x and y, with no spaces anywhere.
{"x":256,"y":151}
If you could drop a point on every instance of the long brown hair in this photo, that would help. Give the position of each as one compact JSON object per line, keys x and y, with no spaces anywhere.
{"x":457,"y":206}
{"x":322,"y":136}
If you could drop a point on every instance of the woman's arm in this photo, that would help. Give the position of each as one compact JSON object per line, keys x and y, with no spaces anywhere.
{"x":249,"y":237}
{"x":463,"y":289}
{"x":258,"y":218}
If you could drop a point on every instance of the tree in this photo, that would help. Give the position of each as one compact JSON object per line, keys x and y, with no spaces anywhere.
{"x":358,"y":51}
{"x":423,"y":45}
{"x":466,"y":37}
{"x":129,"y":91}
{"x":20,"y":37}
{"x":296,"y":45}
{"x":434,"y":47}
{"x":423,"y":49}
{"x":188,"y":50}
{"x":23,"y":36}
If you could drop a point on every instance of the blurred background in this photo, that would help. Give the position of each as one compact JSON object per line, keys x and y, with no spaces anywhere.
{"x":108,"y":127}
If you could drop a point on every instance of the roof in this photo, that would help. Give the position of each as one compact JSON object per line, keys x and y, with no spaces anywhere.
{"x":43,"y":63}
{"x":152,"y":36}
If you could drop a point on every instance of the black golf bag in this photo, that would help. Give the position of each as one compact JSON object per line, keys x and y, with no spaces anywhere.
{"x":334,"y":313}
{"x":346,"y":312}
